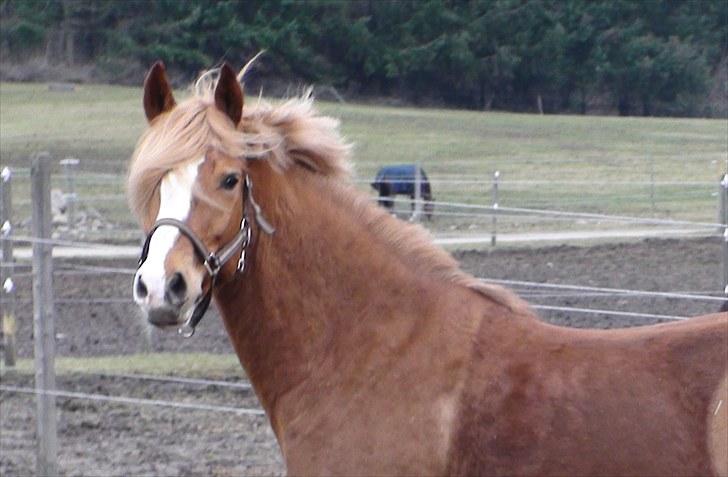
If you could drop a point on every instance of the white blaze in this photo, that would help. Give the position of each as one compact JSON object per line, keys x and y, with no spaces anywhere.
{"x":175,"y":198}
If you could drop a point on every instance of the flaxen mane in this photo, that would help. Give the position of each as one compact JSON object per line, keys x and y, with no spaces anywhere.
{"x":414,"y":246}
{"x":283,"y":135}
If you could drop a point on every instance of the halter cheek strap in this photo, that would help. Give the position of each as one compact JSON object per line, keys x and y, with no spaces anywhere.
{"x":214,"y":261}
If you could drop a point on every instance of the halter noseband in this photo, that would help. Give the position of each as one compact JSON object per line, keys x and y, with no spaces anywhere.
{"x":214,"y":261}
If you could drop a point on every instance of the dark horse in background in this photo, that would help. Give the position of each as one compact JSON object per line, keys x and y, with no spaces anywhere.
{"x":400,"y":180}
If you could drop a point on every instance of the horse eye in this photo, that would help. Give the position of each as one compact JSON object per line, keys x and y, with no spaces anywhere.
{"x":229,"y":182}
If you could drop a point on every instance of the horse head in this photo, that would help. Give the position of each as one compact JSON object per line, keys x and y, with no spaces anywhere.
{"x":190,"y":187}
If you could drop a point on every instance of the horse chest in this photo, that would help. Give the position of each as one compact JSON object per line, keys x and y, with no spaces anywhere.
{"x":370,"y":434}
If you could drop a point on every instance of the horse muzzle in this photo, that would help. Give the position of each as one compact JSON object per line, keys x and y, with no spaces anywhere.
{"x":166,"y":302}
{"x":164,"y":317}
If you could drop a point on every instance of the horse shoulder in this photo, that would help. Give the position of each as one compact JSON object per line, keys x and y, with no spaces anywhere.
{"x":544,"y":400}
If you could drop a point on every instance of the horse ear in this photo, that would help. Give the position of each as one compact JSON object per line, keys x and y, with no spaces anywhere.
{"x":157,"y":92}
{"x":228,"y":94}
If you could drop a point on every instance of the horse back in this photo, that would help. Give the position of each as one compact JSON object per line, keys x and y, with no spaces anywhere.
{"x":558,"y":401}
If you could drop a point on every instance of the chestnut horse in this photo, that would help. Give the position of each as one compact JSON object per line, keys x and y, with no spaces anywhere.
{"x":371,"y":352}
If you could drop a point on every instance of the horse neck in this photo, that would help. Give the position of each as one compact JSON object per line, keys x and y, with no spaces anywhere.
{"x":322,"y":292}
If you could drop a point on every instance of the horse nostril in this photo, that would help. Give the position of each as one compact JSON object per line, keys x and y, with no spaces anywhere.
{"x":141,"y":289}
{"x":176,"y":289}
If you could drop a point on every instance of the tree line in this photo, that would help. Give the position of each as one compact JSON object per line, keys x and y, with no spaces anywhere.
{"x":647,"y":57}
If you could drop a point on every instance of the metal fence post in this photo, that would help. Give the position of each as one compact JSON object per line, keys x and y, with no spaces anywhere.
{"x":69,"y":167}
{"x":6,"y":273}
{"x":418,"y":194}
{"x":9,"y":326}
{"x":723,"y":219}
{"x":652,"y":184}
{"x":494,"y":216}
{"x":43,"y":316}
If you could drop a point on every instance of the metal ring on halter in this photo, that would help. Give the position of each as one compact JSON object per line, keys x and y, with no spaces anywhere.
{"x":212,"y":265}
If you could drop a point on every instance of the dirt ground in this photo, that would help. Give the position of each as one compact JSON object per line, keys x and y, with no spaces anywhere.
{"x":103,"y":439}
{"x":97,"y":438}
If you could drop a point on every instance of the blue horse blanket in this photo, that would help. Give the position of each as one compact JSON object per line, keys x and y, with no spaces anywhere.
{"x":401,"y":178}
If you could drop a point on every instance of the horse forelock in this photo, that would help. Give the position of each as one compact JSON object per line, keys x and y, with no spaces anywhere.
{"x":173,"y":140}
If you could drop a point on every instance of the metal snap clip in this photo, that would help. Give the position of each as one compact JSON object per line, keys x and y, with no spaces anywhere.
{"x":241,"y":262}
{"x":186,"y":330}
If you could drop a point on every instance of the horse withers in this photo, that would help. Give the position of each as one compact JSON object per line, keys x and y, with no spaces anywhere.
{"x":402,"y":179}
{"x":371,"y":352}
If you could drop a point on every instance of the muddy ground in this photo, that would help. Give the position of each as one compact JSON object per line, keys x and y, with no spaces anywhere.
{"x":97,"y":438}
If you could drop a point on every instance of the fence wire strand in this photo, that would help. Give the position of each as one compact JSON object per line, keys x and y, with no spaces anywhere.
{"x":577,"y":215}
{"x":617,"y":291}
{"x":177,"y":380}
{"x":594,"y":311}
{"x":133,"y":401}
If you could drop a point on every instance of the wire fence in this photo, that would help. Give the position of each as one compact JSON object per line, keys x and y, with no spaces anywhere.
{"x":101,"y":206}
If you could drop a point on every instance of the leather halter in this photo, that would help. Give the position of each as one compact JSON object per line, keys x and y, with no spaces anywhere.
{"x":214,"y":261}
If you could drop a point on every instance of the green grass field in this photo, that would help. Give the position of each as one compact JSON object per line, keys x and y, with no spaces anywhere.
{"x":579,"y":163}
{"x":189,"y":364}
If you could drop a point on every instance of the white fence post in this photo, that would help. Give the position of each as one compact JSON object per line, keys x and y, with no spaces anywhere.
{"x":723,"y":219}
{"x":494,"y":216}
{"x":652,"y":185}
{"x":43,"y":316}
{"x":418,"y":194}
{"x":69,"y":166}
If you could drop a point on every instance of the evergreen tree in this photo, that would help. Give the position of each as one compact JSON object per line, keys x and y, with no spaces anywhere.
{"x":646,"y":57}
